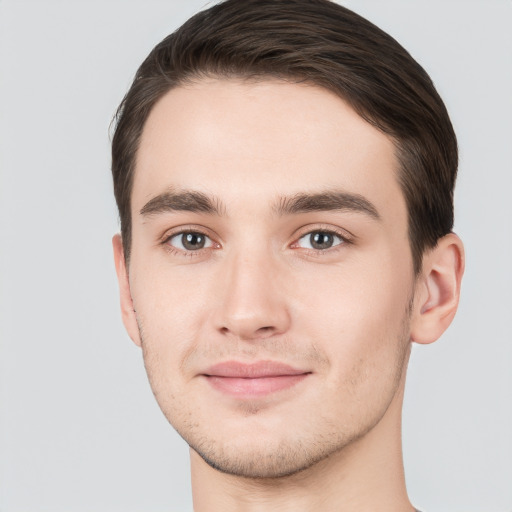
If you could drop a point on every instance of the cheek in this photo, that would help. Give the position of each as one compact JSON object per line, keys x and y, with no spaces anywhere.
{"x":171,"y":312}
{"x":359,"y":313}
{"x":361,"y":325}
{"x":172,"y":309}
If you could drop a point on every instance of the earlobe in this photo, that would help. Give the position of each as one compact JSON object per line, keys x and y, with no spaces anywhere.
{"x":127,"y":309}
{"x":438,"y":290}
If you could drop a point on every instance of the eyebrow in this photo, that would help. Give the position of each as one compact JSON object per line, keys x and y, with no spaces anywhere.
{"x":326,"y":201}
{"x":198,"y":202}
{"x":189,"y":201}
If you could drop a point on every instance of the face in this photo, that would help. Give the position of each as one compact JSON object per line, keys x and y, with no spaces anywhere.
{"x":270,"y":272}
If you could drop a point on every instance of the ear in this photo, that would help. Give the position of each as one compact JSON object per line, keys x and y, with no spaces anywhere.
{"x":438,"y":289}
{"x":127,"y":309}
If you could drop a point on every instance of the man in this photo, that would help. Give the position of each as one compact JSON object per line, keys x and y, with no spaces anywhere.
{"x":284,"y":173}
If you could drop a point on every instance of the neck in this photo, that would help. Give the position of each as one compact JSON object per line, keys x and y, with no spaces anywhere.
{"x":367,"y":475}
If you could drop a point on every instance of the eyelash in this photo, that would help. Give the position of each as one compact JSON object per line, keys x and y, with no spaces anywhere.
{"x":345,"y":238}
{"x":184,"y":231}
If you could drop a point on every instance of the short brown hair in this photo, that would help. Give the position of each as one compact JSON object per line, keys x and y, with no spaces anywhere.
{"x":318,"y":42}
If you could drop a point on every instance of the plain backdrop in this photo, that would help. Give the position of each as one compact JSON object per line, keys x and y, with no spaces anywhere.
{"x":79,"y":428}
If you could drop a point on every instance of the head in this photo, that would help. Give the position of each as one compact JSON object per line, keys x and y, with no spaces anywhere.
{"x":284,"y":173}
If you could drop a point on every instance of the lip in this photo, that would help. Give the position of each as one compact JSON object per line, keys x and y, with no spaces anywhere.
{"x":243,"y":380}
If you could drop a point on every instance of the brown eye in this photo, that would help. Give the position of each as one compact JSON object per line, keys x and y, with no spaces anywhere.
{"x":190,"y":241}
{"x":320,"y":240}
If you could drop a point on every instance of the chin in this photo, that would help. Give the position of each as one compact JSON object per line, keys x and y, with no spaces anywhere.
{"x":279,"y":464}
{"x":268,"y":459}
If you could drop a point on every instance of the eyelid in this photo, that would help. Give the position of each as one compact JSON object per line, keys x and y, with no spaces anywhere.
{"x":309,"y":235}
{"x":186,"y":228}
{"x":344,"y":234}
{"x":189,"y":228}
{"x":177,"y":236}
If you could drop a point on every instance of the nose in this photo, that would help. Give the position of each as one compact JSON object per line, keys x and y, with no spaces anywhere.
{"x":253,"y":298}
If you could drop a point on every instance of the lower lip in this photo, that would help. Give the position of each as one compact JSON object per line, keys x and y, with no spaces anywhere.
{"x":254,"y":387}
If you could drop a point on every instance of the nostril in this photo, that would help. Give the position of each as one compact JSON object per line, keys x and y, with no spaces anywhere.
{"x":261,"y":332}
{"x":265,"y":330}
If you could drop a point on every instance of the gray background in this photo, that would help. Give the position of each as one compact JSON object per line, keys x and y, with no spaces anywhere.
{"x":79,"y":429}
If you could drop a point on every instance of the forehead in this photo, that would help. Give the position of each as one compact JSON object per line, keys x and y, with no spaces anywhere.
{"x":259,"y":140}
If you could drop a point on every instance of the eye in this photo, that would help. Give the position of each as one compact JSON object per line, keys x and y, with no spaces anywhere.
{"x":320,"y":240}
{"x":190,"y":241}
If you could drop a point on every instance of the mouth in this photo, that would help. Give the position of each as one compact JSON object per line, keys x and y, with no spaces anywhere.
{"x":254,"y":380}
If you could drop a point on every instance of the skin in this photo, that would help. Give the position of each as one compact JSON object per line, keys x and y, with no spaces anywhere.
{"x":259,"y":290}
